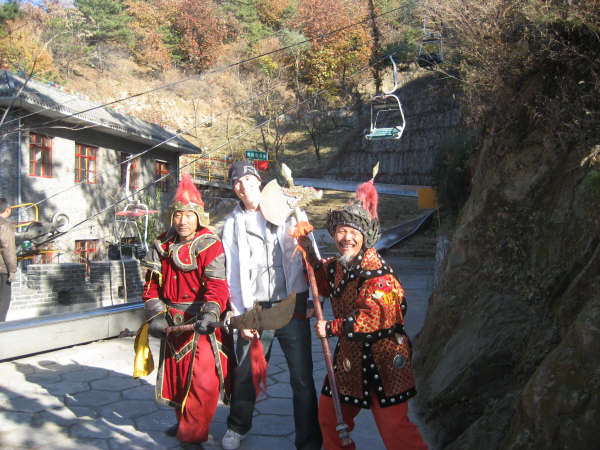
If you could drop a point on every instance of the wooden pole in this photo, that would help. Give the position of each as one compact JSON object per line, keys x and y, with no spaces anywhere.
{"x":341,"y":428}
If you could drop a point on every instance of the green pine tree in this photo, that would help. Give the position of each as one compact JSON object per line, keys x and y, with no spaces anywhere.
{"x":245,"y":12}
{"x":8,"y":11}
{"x":106,"y":21}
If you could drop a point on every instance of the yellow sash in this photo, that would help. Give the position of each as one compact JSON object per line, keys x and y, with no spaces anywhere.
{"x":143,"y":364}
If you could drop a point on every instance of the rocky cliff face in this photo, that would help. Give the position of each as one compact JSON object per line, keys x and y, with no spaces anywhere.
{"x":508,"y":356}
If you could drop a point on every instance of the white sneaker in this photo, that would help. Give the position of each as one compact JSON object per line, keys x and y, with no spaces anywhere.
{"x":231,"y":440}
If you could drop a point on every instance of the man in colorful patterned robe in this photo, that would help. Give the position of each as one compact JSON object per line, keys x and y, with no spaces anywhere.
{"x":185,"y":283}
{"x":372,"y":360}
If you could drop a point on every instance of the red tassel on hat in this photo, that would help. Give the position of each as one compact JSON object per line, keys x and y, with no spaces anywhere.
{"x":367,"y":195}
{"x":259,"y":366}
{"x":187,"y":192}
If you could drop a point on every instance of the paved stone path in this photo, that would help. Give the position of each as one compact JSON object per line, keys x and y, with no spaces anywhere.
{"x":84,"y":397}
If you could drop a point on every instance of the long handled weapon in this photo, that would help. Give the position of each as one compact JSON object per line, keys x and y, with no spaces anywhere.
{"x":257,"y":318}
{"x":342,"y":428}
{"x":276,"y":207}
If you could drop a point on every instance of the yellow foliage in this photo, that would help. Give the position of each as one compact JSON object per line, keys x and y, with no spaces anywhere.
{"x":22,"y":47}
{"x":271,"y":12}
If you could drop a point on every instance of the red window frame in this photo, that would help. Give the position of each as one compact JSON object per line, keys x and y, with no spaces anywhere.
{"x":40,"y":146}
{"x":45,"y":257}
{"x":86,"y":250}
{"x":162,"y":170}
{"x":134,"y":172}
{"x":85,"y":164}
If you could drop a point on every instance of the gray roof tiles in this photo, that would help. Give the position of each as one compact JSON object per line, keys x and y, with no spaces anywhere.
{"x":52,"y":103}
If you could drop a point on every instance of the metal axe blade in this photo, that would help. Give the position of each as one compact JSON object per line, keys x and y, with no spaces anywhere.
{"x":276,"y":207}
{"x":278,"y":316}
{"x":273,"y":318}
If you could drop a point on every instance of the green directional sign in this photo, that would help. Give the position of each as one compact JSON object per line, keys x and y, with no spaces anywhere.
{"x":255,"y":154}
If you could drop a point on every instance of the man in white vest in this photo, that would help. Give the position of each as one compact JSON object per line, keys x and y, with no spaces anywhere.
{"x":260,"y":268}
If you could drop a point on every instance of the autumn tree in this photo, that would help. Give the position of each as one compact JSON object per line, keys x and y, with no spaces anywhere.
{"x":203,"y":29}
{"x":181,"y":32}
{"x":155,"y":42}
{"x":22,"y":44}
{"x":273,"y":12}
{"x":338,"y":46}
{"x":64,"y":29}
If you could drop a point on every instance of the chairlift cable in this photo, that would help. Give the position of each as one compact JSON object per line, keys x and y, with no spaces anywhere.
{"x":142,"y":153}
{"x":178,"y":134}
{"x":202,"y":75}
{"x":33,"y":113}
{"x":157,"y":180}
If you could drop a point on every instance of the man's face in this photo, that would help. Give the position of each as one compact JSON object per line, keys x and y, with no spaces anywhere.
{"x":4,"y":214}
{"x":186,"y":224}
{"x":348,"y":241}
{"x":247,"y":188}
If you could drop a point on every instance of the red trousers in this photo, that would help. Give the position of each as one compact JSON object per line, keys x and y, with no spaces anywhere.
{"x":396,"y":430}
{"x":201,"y":403}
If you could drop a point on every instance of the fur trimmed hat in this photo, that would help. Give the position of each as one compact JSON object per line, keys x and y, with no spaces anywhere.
{"x":361,"y":214}
{"x":188,"y":198}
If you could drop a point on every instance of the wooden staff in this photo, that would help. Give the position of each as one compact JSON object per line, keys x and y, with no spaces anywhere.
{"x":276,"y":208}
{"x":341,"y":427}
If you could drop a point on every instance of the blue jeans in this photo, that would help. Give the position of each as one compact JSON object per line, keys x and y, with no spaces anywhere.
{"x":295,"y":341}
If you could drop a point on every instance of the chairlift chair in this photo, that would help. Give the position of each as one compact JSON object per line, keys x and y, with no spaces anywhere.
{"x":431,"y":48}
{"x":383,"y":107}
{"x":125,"y":222}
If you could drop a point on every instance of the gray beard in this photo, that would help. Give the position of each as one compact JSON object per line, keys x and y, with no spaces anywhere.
{"x":345,"y":260}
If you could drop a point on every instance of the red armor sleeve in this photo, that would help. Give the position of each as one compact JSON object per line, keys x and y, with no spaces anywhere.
{"x":377,"y":304}
{"x":212,"y":263}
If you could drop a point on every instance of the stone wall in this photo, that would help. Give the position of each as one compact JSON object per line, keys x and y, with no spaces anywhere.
{"x":431,"y":110}
{"x":43,"y":289}
{"x":9,"y":159}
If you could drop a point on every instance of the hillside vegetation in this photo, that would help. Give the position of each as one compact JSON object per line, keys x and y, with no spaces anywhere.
{"x":281,"y":76}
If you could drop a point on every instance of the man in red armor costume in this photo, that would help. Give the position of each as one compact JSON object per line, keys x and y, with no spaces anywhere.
{"x":372,"y":360}
{"x":185,"y":283}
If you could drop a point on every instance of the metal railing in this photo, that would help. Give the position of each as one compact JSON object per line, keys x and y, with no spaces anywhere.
{"x":212,"y":169}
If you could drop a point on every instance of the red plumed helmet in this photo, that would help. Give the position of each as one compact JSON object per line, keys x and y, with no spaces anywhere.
{"x":360,"y":214}
{"x":366,"y":194}
{"x":188,"y":198}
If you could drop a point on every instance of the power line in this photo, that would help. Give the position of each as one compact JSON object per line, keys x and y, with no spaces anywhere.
{"x":214,"y":71}
{"x":238,"y":136}
{"x":140,"y":154}
{"x":278,"y":33}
